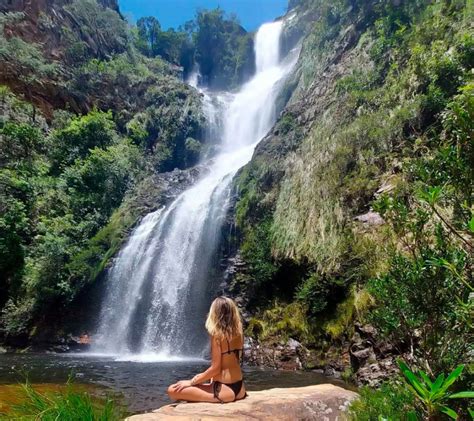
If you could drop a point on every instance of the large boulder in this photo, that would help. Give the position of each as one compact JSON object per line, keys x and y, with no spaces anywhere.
{"x":324,"y":402}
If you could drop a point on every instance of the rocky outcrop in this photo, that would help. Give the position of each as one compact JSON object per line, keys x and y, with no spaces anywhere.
{"x":44,"y":22}
{"x":45,"y":41}
{"x":372,"y":361}
{"x":291,"y":355}
{"x":322,"y":402}
{"x":370,"y":218}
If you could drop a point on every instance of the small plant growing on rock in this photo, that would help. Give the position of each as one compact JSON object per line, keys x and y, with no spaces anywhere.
{"x":433,"y":395}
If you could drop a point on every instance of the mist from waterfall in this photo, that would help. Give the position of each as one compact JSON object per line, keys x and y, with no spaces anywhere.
{"x":162,"y":281}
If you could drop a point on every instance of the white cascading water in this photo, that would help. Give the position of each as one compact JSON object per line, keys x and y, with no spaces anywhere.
{"x":160,"y":287}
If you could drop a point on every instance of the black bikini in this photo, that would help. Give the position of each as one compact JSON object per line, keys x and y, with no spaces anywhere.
{"x":236,"y":386}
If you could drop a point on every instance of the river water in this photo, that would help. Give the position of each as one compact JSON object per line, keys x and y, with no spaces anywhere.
{"x":141,"y":386}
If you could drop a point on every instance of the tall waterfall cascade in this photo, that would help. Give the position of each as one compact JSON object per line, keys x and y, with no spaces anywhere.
{"x":159,"y":287}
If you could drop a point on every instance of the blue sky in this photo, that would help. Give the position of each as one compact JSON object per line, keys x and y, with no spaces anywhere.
{"x":172,"y":13}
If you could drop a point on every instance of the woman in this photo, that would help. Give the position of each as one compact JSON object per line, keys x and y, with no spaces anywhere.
{"x":225,"y":328}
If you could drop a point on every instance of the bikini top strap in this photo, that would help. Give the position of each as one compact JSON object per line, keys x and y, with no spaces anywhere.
{"x":238,"y":352}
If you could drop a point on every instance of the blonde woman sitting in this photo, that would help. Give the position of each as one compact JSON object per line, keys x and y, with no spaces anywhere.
{"x":225,"y":328}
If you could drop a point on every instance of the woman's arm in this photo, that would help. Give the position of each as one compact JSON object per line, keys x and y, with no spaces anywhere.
{"x":215,"y":368}
{"x":212,"y":371}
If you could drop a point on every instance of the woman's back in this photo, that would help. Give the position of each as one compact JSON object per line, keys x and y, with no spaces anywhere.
{"x":231,"y":354}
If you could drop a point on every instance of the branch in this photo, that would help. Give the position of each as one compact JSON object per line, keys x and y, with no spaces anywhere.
{"x":451,"y":228}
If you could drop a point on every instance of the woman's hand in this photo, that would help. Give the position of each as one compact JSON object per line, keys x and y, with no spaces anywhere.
{"x":181,"y":385}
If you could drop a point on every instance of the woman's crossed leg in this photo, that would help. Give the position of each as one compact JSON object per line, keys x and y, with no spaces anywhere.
{"x":201,"y":393}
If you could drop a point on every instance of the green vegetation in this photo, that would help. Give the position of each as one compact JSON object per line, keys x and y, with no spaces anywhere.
{"x":358,"y":208}
{"x":23,"y":60}
{"x":281,"y":321}
{"x":92,"y":21}
{"x":58,"y":190}
{"x":64,"y":405}
{"x":417,"y":397}
{"x":392,"y":401}
{"x":175,"y":46}
{"x":391,"y":132}
{"x":434,"y":394}
{"x":217,"y":43}
{"x":224,"y":51}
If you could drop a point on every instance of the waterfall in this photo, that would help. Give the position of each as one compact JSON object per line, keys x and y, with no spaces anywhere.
{"x":161,"y":283}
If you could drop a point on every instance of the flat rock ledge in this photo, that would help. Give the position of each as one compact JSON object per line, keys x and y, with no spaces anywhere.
{"x":324,"y":402}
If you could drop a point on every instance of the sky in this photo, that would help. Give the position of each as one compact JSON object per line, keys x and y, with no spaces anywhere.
{"x":172,"y":13}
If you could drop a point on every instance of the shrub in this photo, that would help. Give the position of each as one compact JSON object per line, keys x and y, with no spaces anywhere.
{"x":354,"y":307}
{"x":83,"y":133}
{"x":416,"y":309}
{"x":391,"y":402}
{"x":434,"y":394}
{"x":100,"y":180}
{"x":102,"y":25}
{"x":23,"y":60}
{"x":256,"y":250}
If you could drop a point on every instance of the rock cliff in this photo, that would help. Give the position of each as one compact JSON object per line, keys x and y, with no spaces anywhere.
{"x":44,"y":43}
{"x":309,"y":230}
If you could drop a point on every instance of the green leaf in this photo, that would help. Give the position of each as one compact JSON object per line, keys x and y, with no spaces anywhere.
{"x":426,"y":379}
{"x":461,"y":395}
{"x":430,"y":195}
{"x":471,"y":224}
{"x":453,"y":376}
{"x":449,"y":412}
{"x":419,"y":388}
{"x":437,"y":384}
{"x":471,"y":413}
{"x":403,"y":366}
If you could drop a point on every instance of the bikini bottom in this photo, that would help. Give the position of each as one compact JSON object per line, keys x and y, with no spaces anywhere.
{"x":236,"y":388}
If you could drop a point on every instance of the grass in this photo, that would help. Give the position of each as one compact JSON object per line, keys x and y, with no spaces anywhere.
{"x":355,"y":305}
{"x":61,"y":404}
{"x":283,"y":321}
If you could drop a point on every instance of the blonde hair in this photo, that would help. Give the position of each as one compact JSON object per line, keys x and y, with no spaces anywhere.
{"x":223,"y":320}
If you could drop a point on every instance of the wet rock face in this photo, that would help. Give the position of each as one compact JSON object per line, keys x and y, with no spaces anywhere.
{"x":323,"y":402}
{"x":161,"y":188}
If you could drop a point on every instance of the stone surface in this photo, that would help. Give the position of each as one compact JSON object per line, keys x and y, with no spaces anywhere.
{"x":290,"y":355}
{"x":372,"y":360}
{"x":321,"y":402}
{"x":370,"y":218}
